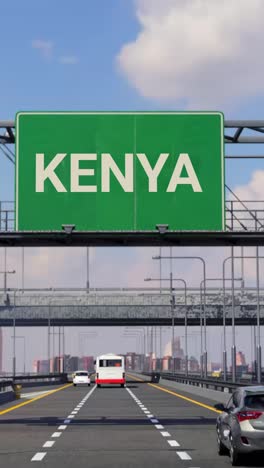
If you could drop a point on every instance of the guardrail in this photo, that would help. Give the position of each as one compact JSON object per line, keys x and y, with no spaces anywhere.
{"x":34,"y":379}
{"x":5,"y":384}
{"x":58,"y":376}
{"x":214,"y":383}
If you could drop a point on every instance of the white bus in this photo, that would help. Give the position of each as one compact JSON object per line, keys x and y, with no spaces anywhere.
{"x":110,"y":369}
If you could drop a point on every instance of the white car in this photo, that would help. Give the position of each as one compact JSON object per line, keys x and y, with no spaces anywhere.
{"x":81,"y":377}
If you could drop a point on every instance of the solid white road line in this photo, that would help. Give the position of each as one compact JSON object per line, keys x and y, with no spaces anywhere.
{"x":38,"y":456}
{"x":173,"y":443}
{"x":49,"y":443}
{"x":56,"y":434}
{"x":33,"y":394}
{"x":184,"y":456}
{"x":165,"y":434}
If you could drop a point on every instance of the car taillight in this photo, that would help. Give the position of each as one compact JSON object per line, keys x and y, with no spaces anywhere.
{"x":246,"y":415}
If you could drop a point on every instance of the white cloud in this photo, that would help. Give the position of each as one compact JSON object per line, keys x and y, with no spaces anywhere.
{"x":254,"y":189}
{"x":203,"y":53}
{"x":45,"y":47}
{"x":68,"y":60}
{"x":46,"y":50}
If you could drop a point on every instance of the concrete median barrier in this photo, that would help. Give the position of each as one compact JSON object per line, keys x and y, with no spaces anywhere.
{"x":7,"y":395}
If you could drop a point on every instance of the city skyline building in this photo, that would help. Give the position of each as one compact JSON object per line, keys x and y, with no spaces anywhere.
{"x":178,"y":351}
{"x":240,"y":359}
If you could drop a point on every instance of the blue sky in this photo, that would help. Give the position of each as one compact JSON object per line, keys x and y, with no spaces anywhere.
{"x":93,"y":32}
{"x":40,"y":37}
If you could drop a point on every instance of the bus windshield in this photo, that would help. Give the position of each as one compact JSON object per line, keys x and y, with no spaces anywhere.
{"x":110,"y":363}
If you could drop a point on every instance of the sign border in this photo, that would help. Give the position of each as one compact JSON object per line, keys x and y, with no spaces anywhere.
{"x":219,"y":113}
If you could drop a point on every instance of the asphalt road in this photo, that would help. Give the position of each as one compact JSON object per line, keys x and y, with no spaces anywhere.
{"x":110,"y":427}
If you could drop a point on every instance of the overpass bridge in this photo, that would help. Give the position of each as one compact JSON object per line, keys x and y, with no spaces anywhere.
{"x":128,"y":307}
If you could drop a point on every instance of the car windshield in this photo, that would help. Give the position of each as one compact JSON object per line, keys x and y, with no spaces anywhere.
{"x":81,"y":374}
{"x":255,"y":402}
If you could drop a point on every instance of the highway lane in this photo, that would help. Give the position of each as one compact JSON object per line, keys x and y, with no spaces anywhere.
{"x":111,"y":427}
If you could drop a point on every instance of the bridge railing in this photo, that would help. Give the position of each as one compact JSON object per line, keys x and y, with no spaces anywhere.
{"x":240,"y":215}
{"x":214,"y":383}
{"x":33,"y":379}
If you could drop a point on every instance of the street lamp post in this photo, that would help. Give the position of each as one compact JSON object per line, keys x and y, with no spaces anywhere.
{"x":49,"y":337}
{"x":14,"y":334}
{"x":87,"y":269}
{"x":49,"y":333}
{"x":171,"y":279}
{"x":24,"y":350}
{"x":203,"y":354}
{"x":220,"y":279}
{"x":139,"y":329}
{"x":5,"y":273}
{"x":232,"y":257}
{"x":259,"y":367}
{"x":135,"y":334}
{"x":233,"y":351}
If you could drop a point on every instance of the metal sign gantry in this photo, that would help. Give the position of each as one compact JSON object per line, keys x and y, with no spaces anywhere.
{"x":236,"y":132}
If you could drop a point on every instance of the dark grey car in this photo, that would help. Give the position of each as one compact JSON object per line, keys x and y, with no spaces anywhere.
{"x":240,"y":427}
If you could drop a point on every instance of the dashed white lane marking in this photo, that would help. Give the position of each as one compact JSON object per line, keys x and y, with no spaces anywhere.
{"x":184,"y":456}
{"x":39,"y":456}
{"x":49,"y":443}
{"x":173,"y":443}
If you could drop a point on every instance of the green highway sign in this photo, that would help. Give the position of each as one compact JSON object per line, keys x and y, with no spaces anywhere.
{"x":112,"y":171}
